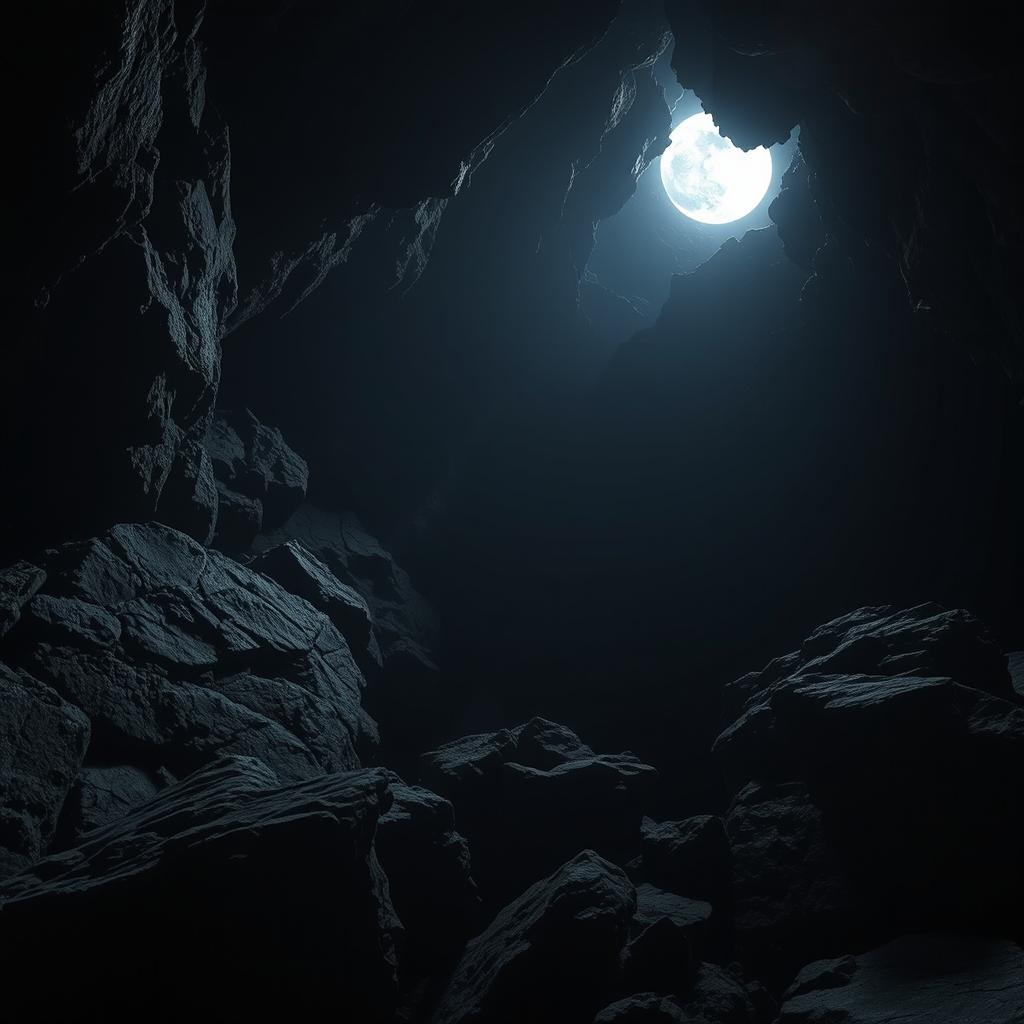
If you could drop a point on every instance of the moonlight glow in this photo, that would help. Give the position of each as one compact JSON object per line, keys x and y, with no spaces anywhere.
{"x":708,"y":178}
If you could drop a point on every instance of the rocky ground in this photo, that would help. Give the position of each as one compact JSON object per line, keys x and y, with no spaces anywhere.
{"x":285,"y":657}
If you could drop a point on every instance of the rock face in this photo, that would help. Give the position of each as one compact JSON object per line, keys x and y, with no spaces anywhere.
{"x":923,"y":979}
{"x":270,"y":871}
{"x":873,"y":792}
{"x":42,"y":742}
{"x":429,"y":871}
{"x":176,"y":654}
{"x":527,"y":797}
{"x":123,"y":304}
{"x":547,"y":954}
{"x":260,"y":480}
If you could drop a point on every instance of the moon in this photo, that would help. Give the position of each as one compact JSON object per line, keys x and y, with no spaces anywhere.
{"x":708,"y":178}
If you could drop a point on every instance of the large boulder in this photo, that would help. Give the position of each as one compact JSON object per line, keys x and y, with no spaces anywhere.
{"x":301,"y":572}
{"x":407,"y":697}
{"x":177,"y":654}
{"x":936,"y":978}
{"x":43,"y":740}
{"x":860,"y":796}
{"x":550,"y":955}
{"x":529,"y":796}
{"x":428,"y":867}
{"x":690,"y":856}
{"x":226,"y":895}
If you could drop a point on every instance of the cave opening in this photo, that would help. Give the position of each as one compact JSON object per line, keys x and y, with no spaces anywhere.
{"x":452,"y":575}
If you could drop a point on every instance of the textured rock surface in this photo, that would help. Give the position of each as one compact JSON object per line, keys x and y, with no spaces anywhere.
{"x":429,"y":871}
{"x":42,"y":742}
{"x":124,"y":304}
{"x":922,"y":979}
{"x":547,"y":954}
{"x":18,"y":583}
{"x":254,"y":461}
{"x":176,"y":654}
{"x":874,"y":791}
{"x":270,"y":871}
{"x":690,"y":856}
{"x":527,"y":797}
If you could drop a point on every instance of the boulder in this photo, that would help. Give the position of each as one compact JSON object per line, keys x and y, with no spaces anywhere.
{"x":522,"y":819}
{"x":428,"y":867}
{"x":177,"y":653}
{"x":690,"y":856}
{"x":550,"y":955}
{"x":43,"y":740}
{"x":102,"y":795}
{"x":934,"y":978}
{"x":294,"y":909}
{"x":407,"y":697}
{"x":301,"y":572}
{"x":926,"y":640}
{"x":862,"y":795}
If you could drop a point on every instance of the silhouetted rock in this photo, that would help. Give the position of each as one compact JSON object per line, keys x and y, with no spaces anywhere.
{"x":128,"y":278}
{"x":550,"y":955}
{"x":921,"y":979}
{"x":521,"y":819}
{"x":42,"y":742}
{"x":407,"y":696}
{"x":690,"y":856}
{"x":692,"y":918}
{"x":18,"y":583}
{"x":226,"y":878}
{"x":927,"y":640}
{"x":875,"y":791}
{"x":428,"y":867}
{"x":790,"y":890}
{"x":645,"y":1008}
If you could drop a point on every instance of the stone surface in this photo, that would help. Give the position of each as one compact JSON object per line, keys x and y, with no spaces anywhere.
{"x":522,"y":820}
{"x":302,"y":573}
{"x":43,"y":739}
{"x":254,"y":461}
{"x":867,"y":794}
{"x":429,"y":869}
{"x":18,"y":583}
{"x":176,"y":654}
{"x":270,"y":871}
{"x":690,"y":856}
{"x":102,"y":795}
{"x":548,"y":954}
{"x":920,"y":979}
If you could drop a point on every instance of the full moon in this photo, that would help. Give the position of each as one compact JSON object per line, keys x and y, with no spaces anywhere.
{"x":708,"y":178}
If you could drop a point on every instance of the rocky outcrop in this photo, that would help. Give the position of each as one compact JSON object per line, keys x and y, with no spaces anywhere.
{"x":129,"y":276}
{"x":429,"y":869}
{"x":269,"y":871}
{"x":407,"y":697}
{"x":922,"y":979}
{"x":43,"y":740}
{"x":18,"y":584}
{"x":869,"y":793}
{"x":527,"y":797}
{"x":549,"y":953}
{"x":260,"y":480}
{"x":881,"y":96}
{"x":177,"y":654}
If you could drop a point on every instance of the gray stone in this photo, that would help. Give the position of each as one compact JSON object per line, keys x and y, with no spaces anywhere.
{"x":43,"y":740}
